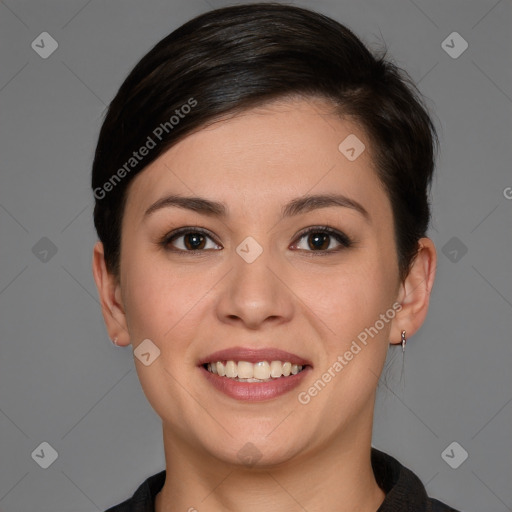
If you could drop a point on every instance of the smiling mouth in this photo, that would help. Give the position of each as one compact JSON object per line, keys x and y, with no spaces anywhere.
{"x":262,"y":371}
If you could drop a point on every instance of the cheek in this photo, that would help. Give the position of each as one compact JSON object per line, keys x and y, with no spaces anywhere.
{"x":357,"y":292}
{"x":351,"y":305}
{"x":146,"y":293}
{"x":160,"y":298}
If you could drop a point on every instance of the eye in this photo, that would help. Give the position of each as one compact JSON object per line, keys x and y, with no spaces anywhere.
{"x":188,"y":240}
{"x":319,"y":239}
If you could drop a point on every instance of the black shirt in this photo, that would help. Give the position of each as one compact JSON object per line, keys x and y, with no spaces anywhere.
{"x":404,"y":490}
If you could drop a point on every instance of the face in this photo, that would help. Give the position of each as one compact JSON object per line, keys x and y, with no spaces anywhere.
{"x":314,"y":279}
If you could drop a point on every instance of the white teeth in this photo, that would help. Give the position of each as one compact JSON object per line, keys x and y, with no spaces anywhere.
{"x":245,"y":370}
{"x":220,"y":369}
{"x":276,"y":369}
{"x":231,"y":369}
{"x":261,"y":371}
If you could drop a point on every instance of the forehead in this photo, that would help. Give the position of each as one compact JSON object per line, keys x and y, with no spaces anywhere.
{"x":271,"y":153}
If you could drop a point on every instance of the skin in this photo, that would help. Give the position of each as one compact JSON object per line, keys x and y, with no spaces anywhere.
{"x":313,"y":457}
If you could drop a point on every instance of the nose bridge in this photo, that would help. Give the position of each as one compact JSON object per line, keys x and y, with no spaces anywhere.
{"x":253,"y":292}
{"x":253,"y":280}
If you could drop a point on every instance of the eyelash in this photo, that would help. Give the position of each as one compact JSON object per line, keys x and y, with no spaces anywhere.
{"x":340,"y":237}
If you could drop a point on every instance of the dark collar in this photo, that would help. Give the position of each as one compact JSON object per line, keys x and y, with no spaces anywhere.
{"x":404,"y":490}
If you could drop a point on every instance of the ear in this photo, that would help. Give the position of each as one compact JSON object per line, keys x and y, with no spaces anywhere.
{"x":109,"y":291}
{"x":414,"y":292}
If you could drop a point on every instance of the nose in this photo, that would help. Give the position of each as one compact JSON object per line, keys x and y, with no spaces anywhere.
{"x":255,"y":293}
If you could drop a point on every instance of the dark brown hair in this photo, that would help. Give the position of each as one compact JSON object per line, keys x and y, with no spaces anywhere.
{"x":235,"y":58}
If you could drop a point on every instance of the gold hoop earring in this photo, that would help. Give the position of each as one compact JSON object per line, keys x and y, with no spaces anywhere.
{"x":404,"y":341}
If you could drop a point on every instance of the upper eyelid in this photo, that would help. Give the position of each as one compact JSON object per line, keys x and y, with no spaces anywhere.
{"x":189,"y":229}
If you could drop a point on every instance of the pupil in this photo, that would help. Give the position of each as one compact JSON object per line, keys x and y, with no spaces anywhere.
{"x":319,"y":240}
{"x":194,"y":241}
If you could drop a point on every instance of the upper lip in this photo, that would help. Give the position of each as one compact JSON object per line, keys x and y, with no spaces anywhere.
{"x":253,"y":355}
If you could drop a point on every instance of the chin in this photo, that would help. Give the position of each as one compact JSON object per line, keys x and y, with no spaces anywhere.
{"x":256,"y":451}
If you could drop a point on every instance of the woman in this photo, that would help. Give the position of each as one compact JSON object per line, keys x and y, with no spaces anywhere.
{"x":261,"y":184}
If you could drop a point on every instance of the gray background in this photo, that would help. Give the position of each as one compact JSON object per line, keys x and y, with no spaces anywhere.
{"x":61,"y":379}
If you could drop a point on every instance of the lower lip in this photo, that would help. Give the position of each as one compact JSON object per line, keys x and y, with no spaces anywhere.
{"x":255,"y":391}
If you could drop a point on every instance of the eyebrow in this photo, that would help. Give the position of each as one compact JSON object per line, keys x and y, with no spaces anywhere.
{"x":296,"y":206}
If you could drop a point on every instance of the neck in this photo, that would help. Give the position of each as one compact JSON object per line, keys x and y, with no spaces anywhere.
{"x":336,"y":476}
